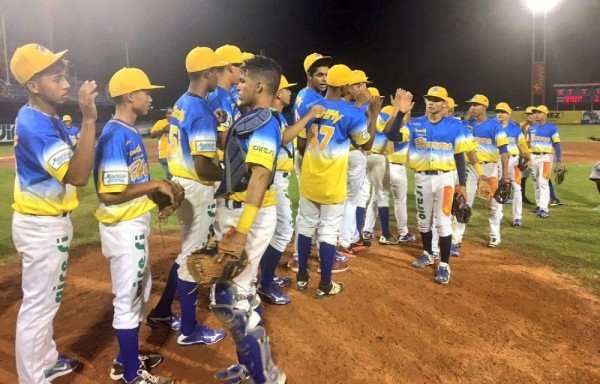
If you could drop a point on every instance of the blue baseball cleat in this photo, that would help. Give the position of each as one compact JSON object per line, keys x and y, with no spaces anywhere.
{"x":272,"y":294}
{"x":443,"y":274}
{"x":282,"y":281}
{"x":63,"y":366}
{"x":201,"y":335}
{"x":408,"y":238}
{"x":367,"y":235}
{"x":234,"y":374}
{"x":424,"y":260}
{"x":454,"y":250}
{"x":517,"y":223}
{"x":543,"y":214}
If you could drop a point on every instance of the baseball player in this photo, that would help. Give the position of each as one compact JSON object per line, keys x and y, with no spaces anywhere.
{"x":122,"y":179}
{"x":595,"y":174}
{"x":269,"y":287}
{"x":247,"y":218}
{"x":316,"y":67}
{"x":492,"y":140}
{"x":349,"y":235}
{"x":233,"y":90}
{"x":48,"y":170}
{"x":323,"y":179}
{"x":544,"y":140}
{"x":72,"y":130}
{"x":192,"y":161}
{"x":436,"y":147}
{"x":517,"y":146}
{"x":160,"y":131}
{"x":525,"y":125}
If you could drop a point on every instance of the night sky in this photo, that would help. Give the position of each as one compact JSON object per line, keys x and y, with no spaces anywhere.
{"x":468,"y":46}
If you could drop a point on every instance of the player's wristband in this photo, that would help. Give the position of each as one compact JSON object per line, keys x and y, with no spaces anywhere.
{"x":478,"y":169}
{"x":247,"y":218}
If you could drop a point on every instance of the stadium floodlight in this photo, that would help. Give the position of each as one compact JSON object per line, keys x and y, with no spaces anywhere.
{"x":541,"y":6}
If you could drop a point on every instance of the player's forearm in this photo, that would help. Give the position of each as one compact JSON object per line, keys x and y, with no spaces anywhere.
{"x":206,"y":169}
{"x":80,"y":165}
{"x":293,"y":130}
{"x":133,"y":191}
{"x":301,"y":145}
{"x":557,"y":152}
{"x":257,"y":185}
{"x":156,"y":134}
{"x":504,"y":160}
{"x":221,"y":139}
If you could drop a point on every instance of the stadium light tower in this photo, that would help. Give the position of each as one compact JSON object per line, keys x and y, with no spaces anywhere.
{"x":538,"y":67}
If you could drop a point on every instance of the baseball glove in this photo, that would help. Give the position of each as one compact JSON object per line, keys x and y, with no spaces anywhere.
{"x":461,"y":210}
{"x":205,"y":268}
{"x":165,"y":207}
{"x":523,"y":163}
{"x":503,"y":192}
{"x":559,"y":174}
{"x":484,"y":189}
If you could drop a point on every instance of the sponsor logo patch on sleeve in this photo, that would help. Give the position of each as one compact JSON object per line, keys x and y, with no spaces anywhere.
{"x":205,"y":146}
{"x":59,"y":158}
{"x":115,"y":178}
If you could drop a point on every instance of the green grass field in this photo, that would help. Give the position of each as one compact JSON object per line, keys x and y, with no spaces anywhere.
{"x":567,"y":241}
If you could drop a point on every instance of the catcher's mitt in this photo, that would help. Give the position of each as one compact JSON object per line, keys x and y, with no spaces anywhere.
{"x":461,"y":210}
{"x":559,"y":174}
{"x":205,"y":269}
{"x":523,"y":163}
{"x":484,"y":188}
{"x":503,"y":192}
{"x":165,"y":207}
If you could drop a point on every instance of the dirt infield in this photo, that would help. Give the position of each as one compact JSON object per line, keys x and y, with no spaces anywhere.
{"x":501,"y":319}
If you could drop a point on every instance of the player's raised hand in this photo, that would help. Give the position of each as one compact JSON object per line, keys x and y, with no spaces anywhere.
{"x":375,"y":106}
{"x":220,"y":115}
{"x":87,"y":98}
{"x":316,"y":110}
{"x":402,"y":101}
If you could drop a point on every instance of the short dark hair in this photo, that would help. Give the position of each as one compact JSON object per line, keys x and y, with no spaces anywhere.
{"x":322,"y":62}
{"x":196,"y":75}
{"x":59,"y":66}
{"x":265,"y":70}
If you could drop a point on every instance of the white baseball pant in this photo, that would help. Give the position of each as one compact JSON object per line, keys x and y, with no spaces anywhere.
{"x":125,"y":245}
{"x":284,"y":229}
{"x":378,"y":173}
{"x":399,"y":186}
{"x":357,"y":163}
{"x":324,"y":218}
{"x":196,"y":216}
{"x":43,"y":243}
{"x":434,"y":195}
{"x":514,"y":173}
{"x":542,"y":170}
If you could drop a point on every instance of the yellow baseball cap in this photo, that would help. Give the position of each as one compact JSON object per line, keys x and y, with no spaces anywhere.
{"x":529,"y":110}
{"x":479,"y":99}
{"x":374,"y":91}
{"x":247,"y":56}
{"x":339,"y":75}
{"x":388,"y":109}
{"x":229,"y":54}
{"x":31,"y":59}
{"x":541,"y":108}
{"x":283,"y":83}
{"x":503,"y":107}
{"x":201,"y":59}
{"x":67,"y":118}
{"x":311,"y":59}
{"x":360,"y":77}
{"x":128,"y":80}
{"x":451,"y":103}
{"x":437,"y":92}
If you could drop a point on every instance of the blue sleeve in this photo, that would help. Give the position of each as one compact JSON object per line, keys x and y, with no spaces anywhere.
{"x":503,"y":149}
{"x":461,"y":167}
{"x":394,"y":133}
{"x":558,"y":151}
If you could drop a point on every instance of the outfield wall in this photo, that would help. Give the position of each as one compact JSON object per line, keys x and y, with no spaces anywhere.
{"x":565,"y":117}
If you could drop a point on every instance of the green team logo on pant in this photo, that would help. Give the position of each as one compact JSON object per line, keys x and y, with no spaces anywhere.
{"x":141,"y":245}
{"x":420,"y":208}
{"x":61,"y":247}
{"x":211,"y":210}
{"x":58,"y":289}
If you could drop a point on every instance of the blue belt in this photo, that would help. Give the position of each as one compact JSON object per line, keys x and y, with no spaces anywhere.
{"x":232,"y":204}
{"x":432,"y":172}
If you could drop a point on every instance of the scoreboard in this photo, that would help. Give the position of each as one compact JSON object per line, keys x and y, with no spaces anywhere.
{"x":578,"y":94}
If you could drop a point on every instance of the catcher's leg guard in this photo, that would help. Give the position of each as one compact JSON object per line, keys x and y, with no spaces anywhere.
{"x":251,"y":341}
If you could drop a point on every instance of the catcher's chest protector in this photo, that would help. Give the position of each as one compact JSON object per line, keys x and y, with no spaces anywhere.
{"x":236,"y":174}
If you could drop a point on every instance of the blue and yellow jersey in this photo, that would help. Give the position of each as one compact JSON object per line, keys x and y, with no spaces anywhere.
{"x":285,"y":163}
{"x":120,"y":161}
{"x":193,"y":132}
{"x":163,"y":140}
{"x":222,"y":99}
{"x":542,"y":137}
{"x":380,"y":143}
{"x":516,"y":139}
{"x":525,"y":127}
{"x":490,"y":136}
{"x":396,"y":152}
{"x":42,"y":151}
{"x":432,"y":146}
{"x":306,"y":98}
{"x":235,"y":94}
{"x":73,"y":133}
{"x":262,"y":147}
{"x":325,"y":162}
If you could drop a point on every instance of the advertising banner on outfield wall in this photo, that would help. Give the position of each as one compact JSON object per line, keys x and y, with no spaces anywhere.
{"x":555,"y":117}
{"x":7,"y":133}
{"x":590,"y":117}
